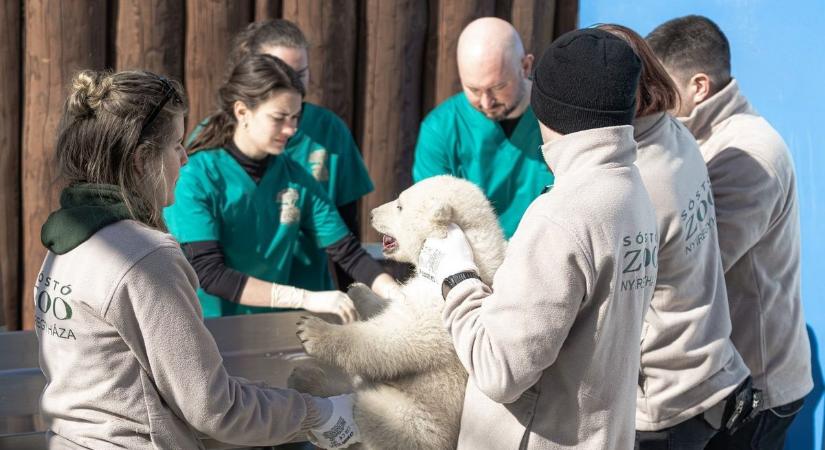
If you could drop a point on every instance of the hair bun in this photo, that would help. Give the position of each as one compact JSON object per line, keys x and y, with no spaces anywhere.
{"x":89,"y":89}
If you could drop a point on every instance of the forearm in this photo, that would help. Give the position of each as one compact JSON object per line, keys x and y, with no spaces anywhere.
{"x":273,"y":295}
{"x":481,"y":354}
{"x":170,"y":339}
{"x":215,"y":278}
{"x":256,"y":293}
{"x":507,"y":336}
{"x":386,"y":286}
{"x":349,"y":254}
{"x":349,"y":214}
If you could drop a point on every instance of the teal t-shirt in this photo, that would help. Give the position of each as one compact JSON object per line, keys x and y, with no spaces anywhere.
{"x":324,"y":146}
{"x":458,"y":140}
{"x":257,"y":225}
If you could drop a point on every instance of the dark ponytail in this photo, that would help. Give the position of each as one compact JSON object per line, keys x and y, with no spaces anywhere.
{"x":253,"y":80}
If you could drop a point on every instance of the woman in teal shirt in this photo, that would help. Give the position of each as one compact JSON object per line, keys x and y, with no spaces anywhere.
{"x":241,"y":205}
{"x":322,"y":144}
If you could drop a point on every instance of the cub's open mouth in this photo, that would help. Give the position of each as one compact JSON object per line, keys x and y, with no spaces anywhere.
{"x":389,"y":243}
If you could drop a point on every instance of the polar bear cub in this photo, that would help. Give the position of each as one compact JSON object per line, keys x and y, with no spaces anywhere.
{"x":408,"y":382}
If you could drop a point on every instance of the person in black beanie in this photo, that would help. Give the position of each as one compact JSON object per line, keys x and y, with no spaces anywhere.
{"x":552,"y":347}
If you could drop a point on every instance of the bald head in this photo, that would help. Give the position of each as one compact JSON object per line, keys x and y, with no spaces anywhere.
{"x":493,"y":68}
{"x":487,"y":41}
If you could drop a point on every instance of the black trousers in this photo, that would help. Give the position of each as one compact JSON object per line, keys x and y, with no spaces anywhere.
{"x":767,"y":431}
{"x":692,"y":434}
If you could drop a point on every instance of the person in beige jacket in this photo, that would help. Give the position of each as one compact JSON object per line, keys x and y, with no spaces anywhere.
{"x":690,"y":369}
{"x":754,"y":191}
{"x":127,"y":359}
{"x":552,"y":347}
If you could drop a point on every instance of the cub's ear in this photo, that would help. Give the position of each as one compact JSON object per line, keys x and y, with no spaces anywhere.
{"x":442,"y":213}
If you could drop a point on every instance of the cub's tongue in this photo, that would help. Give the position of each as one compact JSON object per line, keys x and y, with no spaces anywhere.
{"x":388,"y":242}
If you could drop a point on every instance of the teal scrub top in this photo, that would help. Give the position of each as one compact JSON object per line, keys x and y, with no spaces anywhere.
{"x":257,"y":225}
{"x":458,"y":140}
{"x":324,"y":146}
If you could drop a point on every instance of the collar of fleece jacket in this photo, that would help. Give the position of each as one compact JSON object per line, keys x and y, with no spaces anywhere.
{"x":84,"y":209}
{"x":715,"y":110}
{"x":585,"y":150}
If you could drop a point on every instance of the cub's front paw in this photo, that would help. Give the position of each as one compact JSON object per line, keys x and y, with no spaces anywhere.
{"x":307,"y":378}
{"x":314,"y":336}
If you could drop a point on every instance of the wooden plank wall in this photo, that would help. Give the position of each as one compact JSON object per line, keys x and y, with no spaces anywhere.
{"x":10,"y":73}
{"x":381,"y":65}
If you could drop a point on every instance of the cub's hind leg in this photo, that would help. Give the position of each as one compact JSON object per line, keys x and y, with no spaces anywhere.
{"x":389,"y":418}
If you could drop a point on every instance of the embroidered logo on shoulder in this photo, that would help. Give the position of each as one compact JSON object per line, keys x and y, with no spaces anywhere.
{"x":288,"y":202}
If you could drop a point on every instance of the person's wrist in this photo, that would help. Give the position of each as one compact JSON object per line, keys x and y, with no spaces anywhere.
{"x":319,"y":411}
{"x":283,"y":296}
{"x":451,"y":281}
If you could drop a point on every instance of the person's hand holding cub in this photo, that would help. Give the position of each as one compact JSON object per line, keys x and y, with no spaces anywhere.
{"x":339,"y":429}
{"x":442,"y":257}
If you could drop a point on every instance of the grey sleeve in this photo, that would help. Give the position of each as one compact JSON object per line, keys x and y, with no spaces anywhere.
{"x":747,"y":195}
{"x":156,"y":310}
{"x":508,"y":335}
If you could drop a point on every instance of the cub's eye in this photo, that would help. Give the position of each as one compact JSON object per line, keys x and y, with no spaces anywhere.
{"x":398,"y":206}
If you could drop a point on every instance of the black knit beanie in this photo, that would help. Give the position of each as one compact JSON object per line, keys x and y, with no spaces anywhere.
{"x":586,"y":79}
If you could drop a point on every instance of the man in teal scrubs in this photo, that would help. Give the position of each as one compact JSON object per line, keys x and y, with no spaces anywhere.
{"x":323,"y":145}
{"x":488,"y":133}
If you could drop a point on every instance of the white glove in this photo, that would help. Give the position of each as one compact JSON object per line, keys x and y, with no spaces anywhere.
{"x":440,"y":258}
{"x":340,"y":431}
{"x":331,"y":302}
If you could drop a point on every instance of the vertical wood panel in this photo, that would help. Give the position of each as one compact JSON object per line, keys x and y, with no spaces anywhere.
{"x":10,"y":72}
{"x":210,"y":27}
{"x":447,"y":18}
{"x":393,"y":36}
{"x":331,"y":27}
{"x":149,"y":34}
{"x":567,"y":16}
{"x":61,"y":38}
{"x":534,"y":20}
{"x":267,"y":9}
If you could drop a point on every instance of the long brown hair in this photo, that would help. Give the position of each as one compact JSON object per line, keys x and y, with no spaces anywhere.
{"x":657,"y":91}
{"x":113,"y":131}
{"x":253,"y":80}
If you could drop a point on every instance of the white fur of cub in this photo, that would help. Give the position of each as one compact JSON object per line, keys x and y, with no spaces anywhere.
{"x":408,"y":382}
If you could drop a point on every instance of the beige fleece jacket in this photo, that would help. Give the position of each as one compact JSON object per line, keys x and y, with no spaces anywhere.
{"x":128,"y":360}
{"x":552,"y":349}
{"x":754,"y":187}
{"x":689,"y":363}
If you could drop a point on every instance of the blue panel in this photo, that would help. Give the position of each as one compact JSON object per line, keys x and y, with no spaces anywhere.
{"x":778,"y":52}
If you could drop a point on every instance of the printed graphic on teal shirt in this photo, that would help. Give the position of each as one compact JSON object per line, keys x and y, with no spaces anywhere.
{"x":325,"y":147}
{"x":257,"y":225}
{"x":457,"y":139}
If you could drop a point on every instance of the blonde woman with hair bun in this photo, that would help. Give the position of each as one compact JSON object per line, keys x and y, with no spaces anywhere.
{"x":127,"y":358}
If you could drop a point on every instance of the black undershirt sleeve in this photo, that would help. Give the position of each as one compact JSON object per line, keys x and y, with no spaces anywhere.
{"x":349,"y":213}
{"x":207,"y":258}
{"x":349,"y":254}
